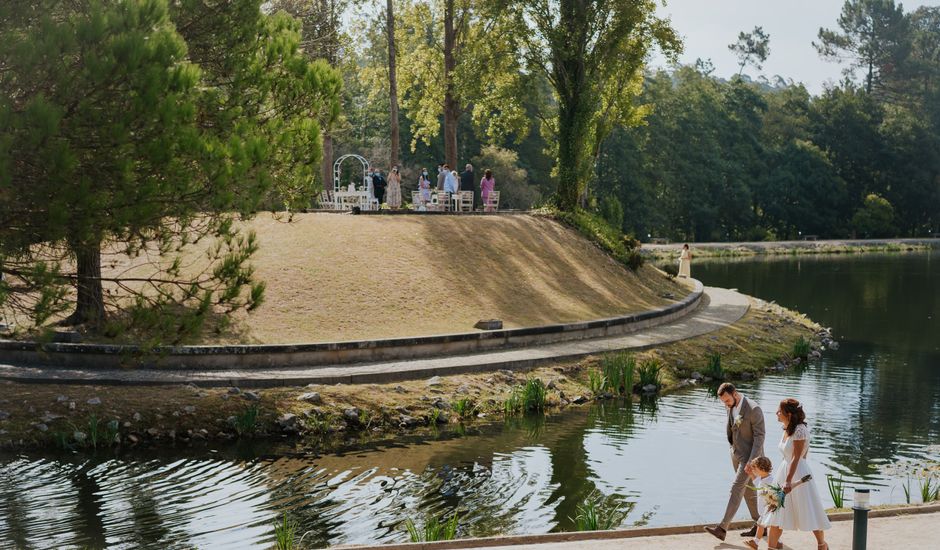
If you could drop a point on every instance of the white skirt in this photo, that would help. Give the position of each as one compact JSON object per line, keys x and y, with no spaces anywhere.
{"x":802,"y":508}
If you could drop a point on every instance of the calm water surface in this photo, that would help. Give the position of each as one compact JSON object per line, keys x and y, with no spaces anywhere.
{"x":872,"y":403}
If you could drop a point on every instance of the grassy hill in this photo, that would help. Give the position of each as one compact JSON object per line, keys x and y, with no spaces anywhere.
{"x":341,"y":277}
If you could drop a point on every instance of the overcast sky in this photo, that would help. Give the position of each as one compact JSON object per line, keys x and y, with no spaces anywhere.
{"x":708,"y":26}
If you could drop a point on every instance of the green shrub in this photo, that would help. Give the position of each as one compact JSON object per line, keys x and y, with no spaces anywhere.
{"x":513,"y":404}
{"x":929,"y":491}
{"x":434,"y":530}
{"x":619,"y":369}
{"x":612,"y":211}
{"x":650,"y":372}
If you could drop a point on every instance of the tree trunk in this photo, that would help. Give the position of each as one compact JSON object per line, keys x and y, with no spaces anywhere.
{"x":326,"y":166}
{"x":392,"y":85}
{"x":451,"y":108}
{"x":89,"y":307}
{"x":573,"y":98}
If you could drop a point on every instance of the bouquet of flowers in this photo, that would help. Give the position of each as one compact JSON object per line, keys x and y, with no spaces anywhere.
{"x":773,"y":496}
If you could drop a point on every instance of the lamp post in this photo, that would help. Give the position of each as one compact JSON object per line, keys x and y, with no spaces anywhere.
{"x":860,"y":523}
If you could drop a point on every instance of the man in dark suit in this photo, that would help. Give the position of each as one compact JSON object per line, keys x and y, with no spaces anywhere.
{"x":467,"y":183}
{"x":378,"y":185}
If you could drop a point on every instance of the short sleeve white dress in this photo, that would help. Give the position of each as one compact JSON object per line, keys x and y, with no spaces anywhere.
{"x":802,"y":509}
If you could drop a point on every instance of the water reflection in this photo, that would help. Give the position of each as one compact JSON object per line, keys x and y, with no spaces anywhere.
{"x":874,"y":401}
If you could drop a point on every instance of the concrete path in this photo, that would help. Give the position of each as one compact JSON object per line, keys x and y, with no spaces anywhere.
{"x":720,"y":307}
{"x":914,"y":531}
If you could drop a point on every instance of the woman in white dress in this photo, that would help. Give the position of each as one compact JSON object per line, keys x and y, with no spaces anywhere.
{"x":393,"y":193}
{"x":802,"y":508}
{"x":685,"y":262}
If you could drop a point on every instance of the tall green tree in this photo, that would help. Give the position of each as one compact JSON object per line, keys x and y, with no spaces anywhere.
{"x":872,"y":36}
{"x":130,"y":131}
{"x":592,"y":52}
{"x":752,"y":48}
{"x":461,"y":59}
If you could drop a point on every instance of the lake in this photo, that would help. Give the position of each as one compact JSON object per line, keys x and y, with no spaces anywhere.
{"x":873,"y":403}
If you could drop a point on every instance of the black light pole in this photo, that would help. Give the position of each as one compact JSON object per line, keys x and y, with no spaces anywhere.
{"x":860,"y":523}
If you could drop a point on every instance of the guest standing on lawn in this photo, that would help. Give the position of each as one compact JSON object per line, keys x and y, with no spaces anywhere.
{"x":393,"y":193}
{"x":685,"y":262}
{"x":466,"y":180}
{"x":450,"y":181}
{"x":378,"y":185}
{"x":424,"y":185}
{"x":487,"y":185}
{"x":442,"y":171}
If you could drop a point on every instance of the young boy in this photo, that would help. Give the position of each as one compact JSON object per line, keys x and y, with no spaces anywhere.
{"x":759,"y":471}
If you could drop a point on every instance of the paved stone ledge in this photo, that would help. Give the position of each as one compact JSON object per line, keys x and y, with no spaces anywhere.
{"x":719,"y":308}
{"x":101,"y":356}
{"x":922,"y":521}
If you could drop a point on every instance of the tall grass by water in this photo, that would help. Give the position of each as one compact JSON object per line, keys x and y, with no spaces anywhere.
{"x":528,"y":397}
{"x":713,"y":369}
{"x":246,"y":422}
{"x":285,"y":532}
{"x":836,"y":490}
{"x":592,"y":515}
{"x":619,"y":369}
{"x":801,"y":348}
{"x":650,"y":373}
{"x":434,"y":529}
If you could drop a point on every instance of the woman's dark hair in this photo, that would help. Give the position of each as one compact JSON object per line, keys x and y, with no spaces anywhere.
{"x":685,"y":246}
{"x":488,"y":173}
{"x":794,"y":410}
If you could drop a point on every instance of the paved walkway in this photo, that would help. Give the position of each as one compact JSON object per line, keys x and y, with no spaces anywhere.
{"x":720,"y":307}
{"x":915,"y":531}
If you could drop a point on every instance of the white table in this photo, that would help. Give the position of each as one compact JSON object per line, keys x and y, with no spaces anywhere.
{"x":346,"y":200}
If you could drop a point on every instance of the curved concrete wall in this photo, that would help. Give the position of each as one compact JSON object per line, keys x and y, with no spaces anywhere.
{"x":335,"y":353}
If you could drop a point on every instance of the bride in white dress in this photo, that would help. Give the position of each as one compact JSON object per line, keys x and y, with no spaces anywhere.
{"x":802,"y":508}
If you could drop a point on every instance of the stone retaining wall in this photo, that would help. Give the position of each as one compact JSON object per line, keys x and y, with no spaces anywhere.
{"x":102,"y":356}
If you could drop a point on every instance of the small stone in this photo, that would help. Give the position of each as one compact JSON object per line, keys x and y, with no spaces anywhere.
{"x":127,"y":424}
{"x":176,"y":414}
{"x":406,"y":421}
{"x":440,"y":404}
{"x":697,"y":376}
{"x":41,"y":427}
{"x":251,"y":396}
{"x":234,"y":391}
{"x":153,"y":432}
{"x":136,"y":417}
{"x":287,"y":421}
{"x":400,"y":389}
{"x":4,"y":415}
{"x":231,"y":421}
{"x":833,"y":345}
{"x":443,"y":418}
{"x":71,"y":405}
{"x":552,"y":385}
{"x":203,"y":432}
{"x":311,"y":397}
{"x":579,"y":400}
{"x":463,"y":389}
{"x":225,"y":396}
{"x":198,"y":436}
{"x":434,"y":381}
{"x":189,"y":409}
{"x":171,"y":434}
{"x":61,"y":399}
{"x":650,"y":388}
{"x":351,"y":415}
{"x":94,"y":401}
{"x":133,"y":439}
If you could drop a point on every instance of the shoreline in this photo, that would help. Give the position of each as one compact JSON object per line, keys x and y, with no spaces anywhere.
{"x":782,"y":248}
{"x":332,"y":418}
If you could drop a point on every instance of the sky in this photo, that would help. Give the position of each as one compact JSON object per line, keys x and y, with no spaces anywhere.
{"x":708,"y":26}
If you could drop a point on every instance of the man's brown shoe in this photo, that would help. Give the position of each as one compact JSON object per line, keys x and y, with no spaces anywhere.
{"x":718,"y":532}
{"x":750,"y":533}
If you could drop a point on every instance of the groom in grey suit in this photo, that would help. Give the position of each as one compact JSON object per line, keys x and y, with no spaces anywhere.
{"x":745,"y":431}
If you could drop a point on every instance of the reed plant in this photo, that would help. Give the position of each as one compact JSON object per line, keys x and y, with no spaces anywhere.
{"x":713,"y":369}
{"x":533,"y":395}
{"x":285,"y":532}
{"x":929,"y":490}
{"x":907,"y":490}
{"x":592,"y":515}
{"x":836,"y":490}
{"x":434,"y":530}
{"x":596,"y":382}
{"x":650,"y":372}
{"x":464,"y":407}
{"x":246,"y":422}
{"x":801,"y":348}
{"x":619,"y":370}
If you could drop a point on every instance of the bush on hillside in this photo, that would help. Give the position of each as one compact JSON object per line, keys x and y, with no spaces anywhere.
{"x":623,"y":248}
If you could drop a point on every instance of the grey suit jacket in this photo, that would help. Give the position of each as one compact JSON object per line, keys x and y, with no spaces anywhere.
{"x":747,"y":436}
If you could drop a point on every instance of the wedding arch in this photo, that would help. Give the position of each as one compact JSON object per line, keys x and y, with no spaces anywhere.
{"x":337,"y":184}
